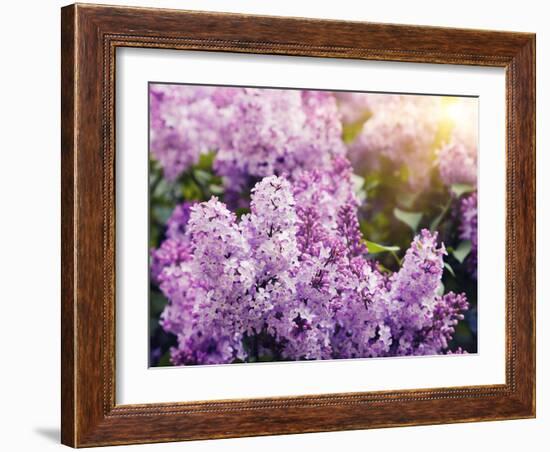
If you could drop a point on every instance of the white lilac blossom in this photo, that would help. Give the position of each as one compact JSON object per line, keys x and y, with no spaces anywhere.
{"x":293,"y":280}
{"x":402,"y":130}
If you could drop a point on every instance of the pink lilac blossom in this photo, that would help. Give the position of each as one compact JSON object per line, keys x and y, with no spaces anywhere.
{"x":402,"y":129}
{"x":300,"y":273}
{"x":468,"y":229}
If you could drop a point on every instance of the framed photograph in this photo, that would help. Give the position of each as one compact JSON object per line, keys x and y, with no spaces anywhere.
{"x":281,"y":225}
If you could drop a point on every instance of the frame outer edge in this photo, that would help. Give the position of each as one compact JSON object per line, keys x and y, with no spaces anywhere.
{"x":525,"y":61}
{"x":68,"y":216}
{"x":87,"y":420}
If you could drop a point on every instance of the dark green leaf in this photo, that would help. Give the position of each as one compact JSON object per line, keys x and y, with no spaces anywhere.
{"x":450,"y":269}
{"x":462,"y":250}
{"x":158,"y":302}
{"x":242,"y":211}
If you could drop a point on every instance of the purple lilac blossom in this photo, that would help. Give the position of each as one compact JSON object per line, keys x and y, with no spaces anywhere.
{"x":426,"y":319}
{"x":185,"y":121}
{"x":458,"y":164}
{"x":276,"y":132}
{"x":176,"y":248}
{"x":298,"y":271}
{"x":177,"y":223}
{"x":255,"y":132}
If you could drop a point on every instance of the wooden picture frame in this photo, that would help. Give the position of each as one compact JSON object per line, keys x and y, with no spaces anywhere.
{"x":90,"y":36}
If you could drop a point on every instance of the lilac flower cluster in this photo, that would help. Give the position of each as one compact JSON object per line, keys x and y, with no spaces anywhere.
{"x":175,"y":248}
{"x":457,"y":159}
{"x":468,"y":229}
{"x":407,"y":129}
{"x":184,"y":123}
{"x":458,"y":164}
{"x":402,"y":129}
{"x":279,"y":132}
{"x":296,"y":270}
{"x":255,"y":132}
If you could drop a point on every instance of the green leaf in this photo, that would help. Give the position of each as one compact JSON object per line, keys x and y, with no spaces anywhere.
{"x":202,"y":177}
{"x":160,"y":188}
{"x":411,"y":219}
{"x":375,"y":248}
{"x":191,"y":191}
{"x":407,"y":199}
{"x":206,"y":161}
{"x":450,"y":269}
{"x":215,"y":189}
{"x":358,"y":183}
{"x":462,"y":250}
{"x":440,"y":289}
{"x":459,"y":189}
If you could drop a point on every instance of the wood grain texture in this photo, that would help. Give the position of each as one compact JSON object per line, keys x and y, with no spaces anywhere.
{"x":90,"y":36}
